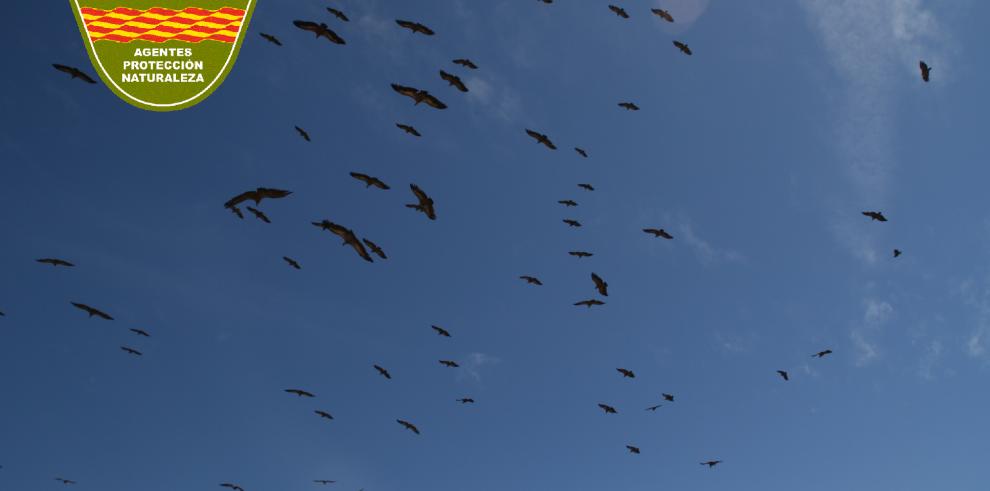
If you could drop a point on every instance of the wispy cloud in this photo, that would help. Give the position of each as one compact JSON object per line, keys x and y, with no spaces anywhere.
{"x":980,"y":300}
{"x":707,"y":253}
{"x":876,"y":313}
{"x":496,"y":99}
{"x":930,"y":359}
{"x":474,"y":364}
{"x":873,"y":45}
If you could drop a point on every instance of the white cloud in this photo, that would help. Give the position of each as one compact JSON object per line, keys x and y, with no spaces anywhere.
{"x":876,"y":313}
{"x":704,"y":250}
{"x":933,"y":352}
{"x":473,"y":365}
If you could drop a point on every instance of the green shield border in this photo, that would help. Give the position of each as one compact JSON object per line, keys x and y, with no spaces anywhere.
{"x":134,"y":101}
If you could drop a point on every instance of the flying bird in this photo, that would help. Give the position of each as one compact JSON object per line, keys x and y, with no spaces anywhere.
{"x":454,"y":81}
{"x":822,"y":354}
{"x":608,"y":409}
{"x":260,"y":215}
{"x":897,"y":252}
{"x":572,"y":223}
{"x":441,"y":331}
{"x":875,"y":216}
{"x":237,"y":211}
{"x":348,"y":236}
{"x":323,"y":481}
{"x":408,"y":129}
{"x":369,"y":181}
{"x":303,"y":133}
{"x":633,"y":449}
{"x":541,"y":139}
{"x":91,"y":311}
{"x":55,"y":262}
{"x":581,"y":152}
{"x":338,"y":14}
{"x":532,"y":280}
{"x":668,"y":397}
{"x":629,"y":106}
{"x":449,"y":364}
{"x":568,"y":202}
{"x":580,"y":254}
{"x":271,"y":39}
{"x":415,"y":27}
{"x":300,"y":392}
{"x":374,"y":248}
{"x":131,"y":351}
{"x":466,"y":63}
{"x":323,"y":414}
{"x":291,"y":262}
{"x":321,"y":30}
{"x":425,"y":204}
{"x":925,"y":70}
{"x":232,"y":486}
{"x":466,"y":400}
{"x":712,"y":463}
{"x":383,"y":372}
{"x":783,"y":374}
{"x":589,"y":303}
{"x":663,"y":14}
{"x":600,"y":284}
{"x":683,"y":47}
{"x":419,"y":96}
{"x":619,"y":11}
{"x":75,"y":72}
{"x":65,"y":481}
{"x":257,"y":196}
{"x":654,"y":408}
{"x":626,"y":373}
{"x":408,"y":426}
{"x":658,"y":232}
{"x":587,"y":187}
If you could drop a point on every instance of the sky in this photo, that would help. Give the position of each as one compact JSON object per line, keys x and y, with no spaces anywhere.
{"x":757,"y":153}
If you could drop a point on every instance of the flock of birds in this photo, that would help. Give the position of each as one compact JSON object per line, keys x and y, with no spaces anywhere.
{"x":424,"y":204}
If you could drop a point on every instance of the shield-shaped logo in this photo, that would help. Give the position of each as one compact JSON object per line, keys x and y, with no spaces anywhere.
{"x":163,"y":55}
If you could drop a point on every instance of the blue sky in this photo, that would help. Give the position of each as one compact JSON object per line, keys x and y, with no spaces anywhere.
{"x":758,"y":153}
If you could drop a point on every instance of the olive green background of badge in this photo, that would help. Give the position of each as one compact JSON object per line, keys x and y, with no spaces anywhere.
{"x":212,"y":53}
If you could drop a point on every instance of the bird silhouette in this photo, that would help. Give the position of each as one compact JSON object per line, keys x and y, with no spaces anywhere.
{"x":454,"y":81}
{"x":415,"y":27}
{"x":580,"y":254}
{"x":383,"y":372}
{"x":323,"y":481}
{"x":532,"y":280}
{"x":654,"y":408}
{"x":232,"y":486}
{"x":663,"y":14}
{"x":712,"y":463}
{"x":338,"y":14}
{"x":65,"y":481}
{"x":619,"y":11}
{"x":291,"y":262}
{"x":581,"y":152}
{"x":633,"y":449}
{"x":347,"y":235}
{"x":586,"y":187}
{"x":140,"y":332}
{"x":600,"y":284}
{"x":75,"y":72}
{"x":449,"y":364}
{"x":419,"y":96}
{"x":92,"y":311}
{"x":408,"y":129}
{"x":55,"y":262}
{"x":608,"y":409}
{"x":300,"y":392}
{"x":629,"y":106}
{"x":131,"y":351}
{"x":668,"y":397}
{"x":683,"y":47}
{"x":409,"y":426}
{"x":257,"y":196}
{"x":374,"y":248}
{"x":568,"y":202}
{"x":925,"y":70}
{"x":822,"y":354}
{"x":271,"y":39}
{"x":302,"y":133}
{"x":260,"y":215}
{"x":541,"y":139}
{"x":589,"y":303}
{"x":441,"y":331}
{"x":875,"y":216}
{"x":466,"y":63}
{"x":626,"y":373}
{"x":659,"y":233}
{"x":425,"y":204}
{"x":369,"y":181}
{"x":897,"y":252}
{"x":783,"y":374}
{"x":323,"y":414}
{"x":571,"y":222}
{"x":321,"y":30}
{"x":466,"y":400}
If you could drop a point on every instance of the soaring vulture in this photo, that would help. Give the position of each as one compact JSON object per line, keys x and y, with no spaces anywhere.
{"x":589,"y":303}
{"x":633,"y":449}
{"x":608,"y":409}
{"x":323,"y":414}
{"x":140,"y":332}
{"x":383,"y":372}
{"x":338,"y":14}
{"x":348,"y":236}
{"x":419,"y":96}
{"x":321,"y":30}
{"x":323,"y":481}
{"x":600,"y":284}
{"x":629,"y":106}
{"x":271,"y":39}
{"x":572,"y":223}
{"x":626,"y":373}
{"x":619,"y":11}
{"x":303,"y":133}
{"x":663,"y":14}
{"x":532,"y":280}
{"x":91,"y":311}
{"x":66,"y":481}
{"x":55,"y":262}
{"x":454,"y":81}
{"x":897,"y":252}
{"x":568,"y":202}
{"x":441,"y":331}
{"x":257,"y":195}
{"x":712,"y":463}
{"x":449,"y":363}
{"x":408,"y":129}
{"x":668,"y":397}
{"x":466,"y":400}
{"x":925,"y":70}
{"x":300,"y":392}
{"x":580,"y":254}
{"x":75,"y":72}
{"x":408,"y":426}
{"x":369,"y":181}
{"x":131,"y":351}
{"x":784,"y":375}
{"x":466,"y":63}
{"x":541,"y":139}
{"x":683,"y":47}
{"x":232,"y":486}
{"x":425,"y":204}
{"x":260,"y":215}
{"x":415,"y":27}
{"x":654,"y":408}
{"x":822,"y":354}
{"x":875,"y":216}
{"x":581,"y":152}
{"x":291,"y":262}
{"x":586,"y":187}
{"x":659,"y":233}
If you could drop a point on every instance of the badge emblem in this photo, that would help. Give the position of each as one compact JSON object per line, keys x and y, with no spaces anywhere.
{"x":163,"y":55}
